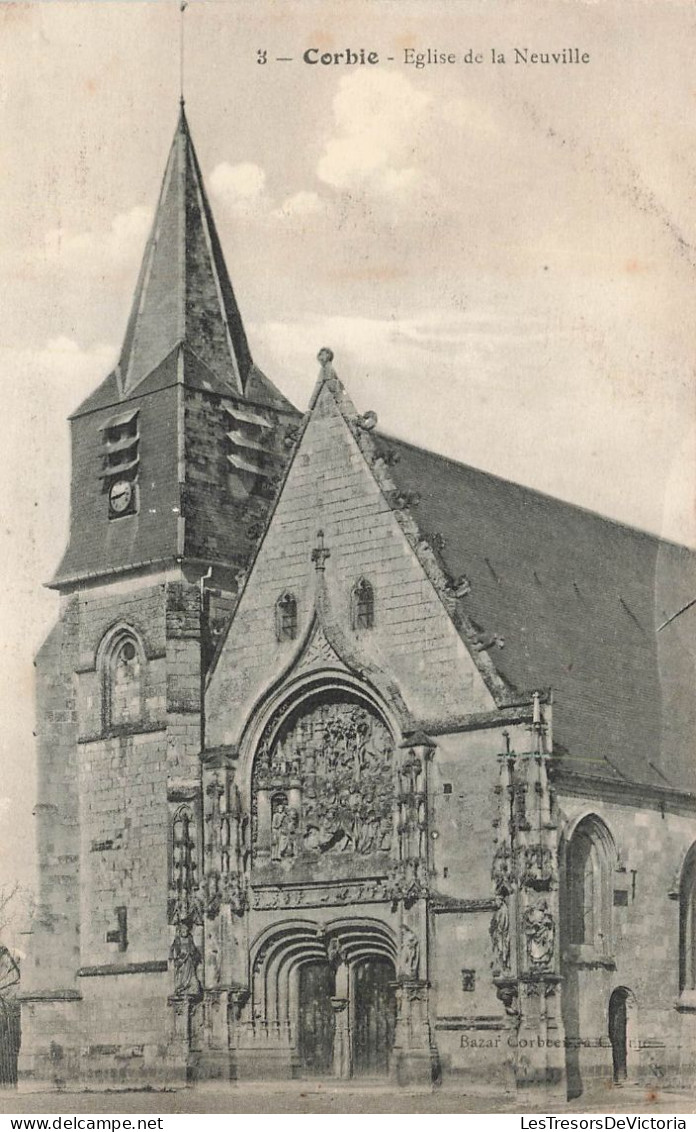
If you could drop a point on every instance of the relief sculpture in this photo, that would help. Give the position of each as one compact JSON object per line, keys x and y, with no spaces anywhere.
{"x":329,"y":775}
{"x":540,"y":930}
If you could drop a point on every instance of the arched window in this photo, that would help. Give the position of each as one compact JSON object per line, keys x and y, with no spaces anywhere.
{"x":123,"y":680}
{"x":362,"y":605}
{"x":687,"y":923}
{"x":590,"y":864}
{"x":286,"y":617}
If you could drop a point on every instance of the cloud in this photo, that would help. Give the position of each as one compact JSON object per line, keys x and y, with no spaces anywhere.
{"x":303,"y":203}
{"x":491,"y":371}
{"x":94,"y":250}
{"x":241,"y":187}
{"x":378,"y":117}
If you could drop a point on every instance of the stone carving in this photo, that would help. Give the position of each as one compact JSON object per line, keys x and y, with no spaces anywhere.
{"x":508,"y":995}
{"x":229,"y":889}
{"x":409,"y":953}
{"x":300,"y":896}
{"x":337,"y":756}
{"x":184,"y":869}
{"x":319,"y":653}
{"x":500,"y":937}
{"x":538,"y":867}
{"x":187,"y":960}
{"x":540,"y":932}
{"x":334,"y":952}
{"x":407,"y":881}
{"x":285,"y":823}
{"x":501,"y":871}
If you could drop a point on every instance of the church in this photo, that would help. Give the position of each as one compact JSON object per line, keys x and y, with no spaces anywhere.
{"x":353,"y":761}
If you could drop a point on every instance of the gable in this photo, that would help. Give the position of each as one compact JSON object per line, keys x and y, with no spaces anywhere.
{"x":414,"y":643}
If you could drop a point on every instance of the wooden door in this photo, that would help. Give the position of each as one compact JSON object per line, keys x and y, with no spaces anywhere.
{"x":374,"y":1017}
{"x":316,"y":1019}
{"x":617,"y":1034}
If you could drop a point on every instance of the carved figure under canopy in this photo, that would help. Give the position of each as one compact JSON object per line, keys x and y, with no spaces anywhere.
{"x":540,"y":930}
{"x":409,"y":953}
{"x":500,"y":937}
{"x":187,"y":960}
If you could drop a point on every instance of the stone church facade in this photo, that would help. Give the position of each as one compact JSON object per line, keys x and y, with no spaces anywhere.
{"x":353,"y":761}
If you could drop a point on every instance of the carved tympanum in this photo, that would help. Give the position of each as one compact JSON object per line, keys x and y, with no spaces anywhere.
{"x":328,"y":777}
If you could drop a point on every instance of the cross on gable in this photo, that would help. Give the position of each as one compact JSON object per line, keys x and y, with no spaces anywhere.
{"x":320,"y":552}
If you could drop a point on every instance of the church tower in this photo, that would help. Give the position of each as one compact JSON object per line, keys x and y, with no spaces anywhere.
{"x":175,"y":459}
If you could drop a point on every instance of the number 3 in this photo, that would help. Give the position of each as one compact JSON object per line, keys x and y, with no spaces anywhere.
{"x":261,"y":57}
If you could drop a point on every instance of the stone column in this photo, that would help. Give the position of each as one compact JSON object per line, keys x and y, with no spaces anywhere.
{"x":341,"y":1045}
{"x":414,"y":1058}
{"x":263,"y":818}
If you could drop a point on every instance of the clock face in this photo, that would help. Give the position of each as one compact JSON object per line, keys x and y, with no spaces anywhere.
{"x":120,"y":496}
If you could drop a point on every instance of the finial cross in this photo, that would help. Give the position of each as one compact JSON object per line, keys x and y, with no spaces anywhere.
{"x":320,"y":552}
{"x":182,"y":8}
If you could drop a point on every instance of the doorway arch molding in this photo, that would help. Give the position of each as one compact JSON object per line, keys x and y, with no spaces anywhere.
{"x":282,"y":948}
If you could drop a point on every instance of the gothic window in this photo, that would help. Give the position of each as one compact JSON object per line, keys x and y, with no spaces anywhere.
{"x":687,"y":923}
{"x":286,"y":617}
{"x":589,"y":873}
{"x":123,"y":681}
{"x":363,"y":605}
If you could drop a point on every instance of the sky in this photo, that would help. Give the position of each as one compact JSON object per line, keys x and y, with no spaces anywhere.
{"x":502,"y":256}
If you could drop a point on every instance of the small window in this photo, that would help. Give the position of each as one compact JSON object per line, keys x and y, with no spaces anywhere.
{"x":286,"y":617}
{"x":447,"y":788}
{"x":363,"y":605}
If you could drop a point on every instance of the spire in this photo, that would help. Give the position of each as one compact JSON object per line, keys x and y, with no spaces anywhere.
{"x":184,"y":294}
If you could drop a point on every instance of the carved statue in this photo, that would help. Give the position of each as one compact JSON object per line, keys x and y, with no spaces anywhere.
{"x":325,"y":357}
{"x":500,"y":937}
{"x":540,"y":930}
{"x":409,"y":953}
{"x":334,"y":952}
{"x":285,"y":823}
{"x":187,"y":960}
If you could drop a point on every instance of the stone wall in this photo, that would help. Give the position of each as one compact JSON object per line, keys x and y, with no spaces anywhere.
{"x":330,"y":487}
{"x":97,"y":999}
{"x":652,"y":838}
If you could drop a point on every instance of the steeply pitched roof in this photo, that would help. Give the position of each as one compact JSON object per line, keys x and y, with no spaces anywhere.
{"x":184,"y":293}
{"x":568,"y":600}
{"x":184,"y":368}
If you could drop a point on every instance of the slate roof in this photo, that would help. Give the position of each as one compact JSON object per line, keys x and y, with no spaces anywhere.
{"x":578,"y":602}
{"x":185,"y":356}
{"x":184,"y":293}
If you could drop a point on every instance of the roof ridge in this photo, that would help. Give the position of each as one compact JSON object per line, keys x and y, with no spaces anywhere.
{"x":431,"y":452}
